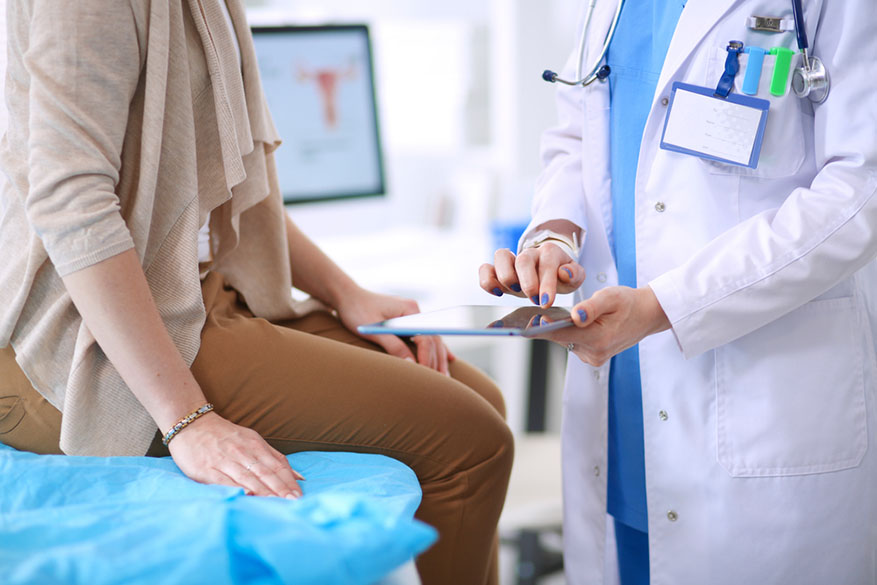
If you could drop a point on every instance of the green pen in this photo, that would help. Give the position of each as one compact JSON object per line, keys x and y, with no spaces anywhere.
{"x":781,"y":68}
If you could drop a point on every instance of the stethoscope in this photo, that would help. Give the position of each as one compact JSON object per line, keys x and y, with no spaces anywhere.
{"x":810,"y":80}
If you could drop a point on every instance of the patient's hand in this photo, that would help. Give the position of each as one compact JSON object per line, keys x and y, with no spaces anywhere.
{"x":214,"y":450}
{"x":364,"y":307}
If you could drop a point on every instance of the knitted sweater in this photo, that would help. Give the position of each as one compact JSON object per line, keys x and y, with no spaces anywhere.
{"x":130,"y":121}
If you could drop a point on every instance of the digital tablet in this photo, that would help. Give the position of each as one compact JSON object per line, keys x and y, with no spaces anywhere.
{"x":475,"y":320}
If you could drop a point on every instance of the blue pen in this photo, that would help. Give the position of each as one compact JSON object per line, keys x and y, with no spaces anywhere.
{"x":753,"y":69}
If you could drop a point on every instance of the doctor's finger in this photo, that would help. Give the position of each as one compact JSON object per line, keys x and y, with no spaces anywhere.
{"x":547,"y":270}
{"x":525,"y":266}
{"x":488,"y":281}
{"x":570,"y":277}
{"x":602,"y":302}
{"x":504,"y":266}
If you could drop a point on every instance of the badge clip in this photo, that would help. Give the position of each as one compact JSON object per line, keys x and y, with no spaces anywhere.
{"x":732,"y":66}
{"x":772,"y":24}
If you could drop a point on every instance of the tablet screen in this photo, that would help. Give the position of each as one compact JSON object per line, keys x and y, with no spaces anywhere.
{"x":475,"y":320}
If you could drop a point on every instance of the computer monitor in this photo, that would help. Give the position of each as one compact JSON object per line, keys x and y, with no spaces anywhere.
{"x":319,"y":84}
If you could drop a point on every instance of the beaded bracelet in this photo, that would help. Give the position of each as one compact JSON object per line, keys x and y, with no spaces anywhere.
{"x":186,"y":421}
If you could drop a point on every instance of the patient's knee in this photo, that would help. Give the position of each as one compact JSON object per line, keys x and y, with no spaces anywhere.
{"x":499,"y":444}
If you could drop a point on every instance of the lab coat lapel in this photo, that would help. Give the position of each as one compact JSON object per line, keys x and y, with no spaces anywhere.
{"x":697,"y":19}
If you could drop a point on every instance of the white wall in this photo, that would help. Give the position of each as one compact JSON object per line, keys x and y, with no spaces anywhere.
{"x":462,"y":104}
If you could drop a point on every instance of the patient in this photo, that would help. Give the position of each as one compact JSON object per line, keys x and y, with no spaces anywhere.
{"x":132,"y":125}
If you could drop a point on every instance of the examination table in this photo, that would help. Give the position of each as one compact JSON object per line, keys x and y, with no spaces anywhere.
{"x":140,"y":521}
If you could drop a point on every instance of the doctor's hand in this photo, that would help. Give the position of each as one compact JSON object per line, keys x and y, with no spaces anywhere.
{"x":536,"y":273}
{"x":364,"y":307}
{"x":612,"y":320}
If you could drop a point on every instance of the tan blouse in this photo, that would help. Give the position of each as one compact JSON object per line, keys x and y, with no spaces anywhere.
{"x":129,"y":123}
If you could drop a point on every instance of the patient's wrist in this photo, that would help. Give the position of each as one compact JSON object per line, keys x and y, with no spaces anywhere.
{"x":338,"y":290}
{"x":344,"y":293}
{"x":185,"y":422}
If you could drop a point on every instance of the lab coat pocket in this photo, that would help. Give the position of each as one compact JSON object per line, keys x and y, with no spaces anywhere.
{"x":783,"y":146}
{"x":790,"y":397}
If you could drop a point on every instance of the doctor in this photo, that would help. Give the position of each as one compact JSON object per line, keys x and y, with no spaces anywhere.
{"x":732,"y":438}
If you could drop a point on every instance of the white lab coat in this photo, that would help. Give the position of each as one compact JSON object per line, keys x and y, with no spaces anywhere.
{"x":759,"y":406}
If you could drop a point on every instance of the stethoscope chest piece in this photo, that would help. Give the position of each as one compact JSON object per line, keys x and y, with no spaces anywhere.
{"x":811,"y":81}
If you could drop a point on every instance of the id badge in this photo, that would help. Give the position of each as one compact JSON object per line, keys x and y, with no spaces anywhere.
{"x":728,"y":130}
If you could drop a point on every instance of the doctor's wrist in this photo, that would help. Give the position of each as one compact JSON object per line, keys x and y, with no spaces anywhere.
{"x":568,"y":244}
{"x":655,"y":320}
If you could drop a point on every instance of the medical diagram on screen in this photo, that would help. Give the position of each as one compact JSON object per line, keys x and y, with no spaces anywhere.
{"x":319,"y":89}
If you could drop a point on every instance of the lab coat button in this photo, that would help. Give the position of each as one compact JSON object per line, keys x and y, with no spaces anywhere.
{"x":663,"y":415}
{"x":596,"y":374}
{"x":596,"y":471}
{"x":601,"y":277}
{"x":660,"y":207}
{"x":672,"y":516}
{"x":664,"y":101}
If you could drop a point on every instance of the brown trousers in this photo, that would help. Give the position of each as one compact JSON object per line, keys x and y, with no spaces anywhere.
{"x":310,"y":384}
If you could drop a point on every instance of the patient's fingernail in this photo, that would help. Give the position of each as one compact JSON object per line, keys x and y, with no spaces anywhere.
{"x":535,"y":299}
{"x":410,"y":359}
{"x":516,"y":287}
{"x":582,"y":315}
{"x":568,"y":271}
{"x":544,"y":299}
{"x":291,"y":496}
{"x":298,"y":476}
{"x":497,"y":292}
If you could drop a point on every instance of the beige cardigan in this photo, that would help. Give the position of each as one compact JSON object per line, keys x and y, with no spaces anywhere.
{"x":130,"y":121}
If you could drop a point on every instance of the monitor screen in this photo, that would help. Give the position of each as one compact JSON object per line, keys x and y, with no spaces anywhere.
{"x":318,"y":82}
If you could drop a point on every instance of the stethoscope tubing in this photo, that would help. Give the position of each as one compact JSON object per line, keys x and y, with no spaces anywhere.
{"x":587,"y":79}
{"x":814,"y":73}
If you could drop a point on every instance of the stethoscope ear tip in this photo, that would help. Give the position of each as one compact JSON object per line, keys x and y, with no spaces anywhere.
{"x":549,"y":76}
